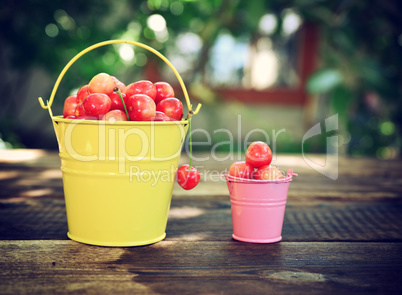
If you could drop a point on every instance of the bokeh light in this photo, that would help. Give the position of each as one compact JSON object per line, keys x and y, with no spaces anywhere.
{"x":189,"y":42}
{"x":267,"y":24}
{"x":386,"y":153}
{"x":126,"y":52}
{"x":52,"y":30}
{"x":291,"y":22}
{"x":264,"y":70}
{"x":156,"y":22}
{"x":140,"y":59}
{"x":176,"y":8}
{"x":66,"y":22}
{"x":387,"y":128}
{"x":109,"y":58}
{"x":83,"y":32}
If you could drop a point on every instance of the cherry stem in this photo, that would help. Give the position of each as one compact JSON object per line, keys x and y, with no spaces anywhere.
{"x":116,"y":89}
{"x":191,"y":143}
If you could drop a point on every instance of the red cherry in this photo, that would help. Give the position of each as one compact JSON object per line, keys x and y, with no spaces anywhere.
{"x":258,"y":154}
{"x":159,"y":116}
{"x":241,"y":169}
{"x":83,"y":117}
{"x":82,"y":93}
{"x":187,"y":178}
{"x":79,"y":111}
{"x":117,"y":104}
{"x":163,"y":91}
{"x":88,"y":118}
{"x":141,"y":107}
{"x":101,"y":83}
{"x":268,"y":172}
{"x":119,"y":84}
{"x":171,"y":107}
{"x":96,"y":105}
{"x":70,"y":104}
{"x":141,"y":87}
{"x":115,"y":115}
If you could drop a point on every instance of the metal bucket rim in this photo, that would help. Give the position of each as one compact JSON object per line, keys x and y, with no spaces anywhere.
{"x":234,"y":179}
{"x":60,"y":119}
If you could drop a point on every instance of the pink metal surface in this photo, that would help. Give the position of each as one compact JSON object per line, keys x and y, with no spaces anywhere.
{"x":258,"y":208}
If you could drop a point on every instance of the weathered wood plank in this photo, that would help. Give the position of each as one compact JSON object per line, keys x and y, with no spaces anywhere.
{"x":210,"y":220}
{"x":359,"y":179}
{"x":338,"y":236}
{"x":307,"y":221}
{"x":180,"y":267}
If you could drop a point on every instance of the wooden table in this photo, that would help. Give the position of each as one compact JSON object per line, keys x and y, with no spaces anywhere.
{"x":342,"y":236}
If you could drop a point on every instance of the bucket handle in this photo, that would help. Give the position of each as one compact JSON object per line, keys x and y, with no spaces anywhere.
{"x":157,"y":53}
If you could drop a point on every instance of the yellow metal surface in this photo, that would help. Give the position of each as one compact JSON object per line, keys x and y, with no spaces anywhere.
{"x":118,"y":179}
{"x":118,"y":176}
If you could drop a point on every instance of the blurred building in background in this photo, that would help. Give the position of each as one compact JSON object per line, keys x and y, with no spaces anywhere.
{"x":262,"y":69}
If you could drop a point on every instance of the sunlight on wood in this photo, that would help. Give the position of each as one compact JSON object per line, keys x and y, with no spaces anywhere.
{"x":37,"y":193}
{"x":28,"y":194}
{"x":298,"y":277}
{"x":192,"y":237}
{"x":51,"y":174}
{"x":13,"y":156}
{"x":8,"y":174}
{"x":185,"y":212}
{"x":163,"y":244}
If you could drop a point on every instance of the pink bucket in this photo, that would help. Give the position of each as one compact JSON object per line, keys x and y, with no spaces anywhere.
{"x":258,"y":208}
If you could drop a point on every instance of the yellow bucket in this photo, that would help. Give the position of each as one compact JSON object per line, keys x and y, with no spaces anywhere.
{"x":118,"y":176}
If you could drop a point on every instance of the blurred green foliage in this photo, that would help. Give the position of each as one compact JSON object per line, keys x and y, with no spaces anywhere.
{"x":361,"y":46}
{"x":360,"y":51}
